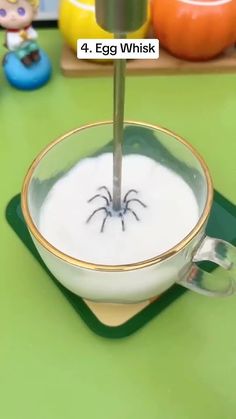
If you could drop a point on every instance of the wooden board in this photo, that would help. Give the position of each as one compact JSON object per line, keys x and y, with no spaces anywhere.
{"x":167,"y":64}
{"x":114,"y":315}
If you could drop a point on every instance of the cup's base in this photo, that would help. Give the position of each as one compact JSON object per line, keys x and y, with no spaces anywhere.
{"x":117,"y":321}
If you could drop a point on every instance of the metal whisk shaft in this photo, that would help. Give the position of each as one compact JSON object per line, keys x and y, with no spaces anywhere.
{"x":119,"y":17}
{"x":118,"y":127}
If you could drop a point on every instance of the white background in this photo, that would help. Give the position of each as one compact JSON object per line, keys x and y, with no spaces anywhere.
{"x":48,"y":10}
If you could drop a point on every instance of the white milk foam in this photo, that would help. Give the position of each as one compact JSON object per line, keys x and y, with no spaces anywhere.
{"x":171,"y":213}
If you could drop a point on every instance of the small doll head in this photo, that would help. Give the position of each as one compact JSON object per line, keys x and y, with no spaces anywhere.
{"x":17,"y":14}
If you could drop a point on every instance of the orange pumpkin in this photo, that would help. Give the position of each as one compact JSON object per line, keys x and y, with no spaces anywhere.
{"x":195,"y":29}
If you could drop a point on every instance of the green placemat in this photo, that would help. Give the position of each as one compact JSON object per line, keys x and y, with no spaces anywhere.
{"x":222,"y":224}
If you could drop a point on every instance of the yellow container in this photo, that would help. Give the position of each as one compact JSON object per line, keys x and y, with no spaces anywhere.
{"x":77,"y":20}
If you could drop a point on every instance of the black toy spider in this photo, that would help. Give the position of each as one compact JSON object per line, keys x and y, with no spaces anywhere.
{"x":107,"y":208}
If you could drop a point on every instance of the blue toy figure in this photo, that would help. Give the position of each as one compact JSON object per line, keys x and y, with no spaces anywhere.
{"x":26,"y":66}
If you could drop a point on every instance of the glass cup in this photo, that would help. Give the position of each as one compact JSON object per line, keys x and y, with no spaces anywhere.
{"x":142,"y":280}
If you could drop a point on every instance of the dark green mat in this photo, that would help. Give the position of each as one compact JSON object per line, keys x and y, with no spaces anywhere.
{"x":222,"y":224}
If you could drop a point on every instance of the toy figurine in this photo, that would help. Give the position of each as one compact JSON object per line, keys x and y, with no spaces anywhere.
{"x":26,"y":66}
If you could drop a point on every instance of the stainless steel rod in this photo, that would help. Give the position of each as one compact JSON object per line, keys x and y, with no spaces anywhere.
{"x":118,"y":127}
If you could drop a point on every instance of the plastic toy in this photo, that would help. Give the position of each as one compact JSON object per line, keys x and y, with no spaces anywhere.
{"x":26,"y":65}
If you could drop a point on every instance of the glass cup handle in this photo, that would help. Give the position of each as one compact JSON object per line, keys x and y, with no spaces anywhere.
{"x":223,"y":254}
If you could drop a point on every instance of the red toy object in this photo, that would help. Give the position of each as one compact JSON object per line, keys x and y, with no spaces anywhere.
{"x":195,"y":30}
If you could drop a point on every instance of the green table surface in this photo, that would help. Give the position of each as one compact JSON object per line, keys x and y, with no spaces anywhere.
{"x":182,"y":365}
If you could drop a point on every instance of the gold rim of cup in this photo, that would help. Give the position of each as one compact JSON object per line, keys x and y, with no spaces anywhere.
{"x":114,"y":268}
